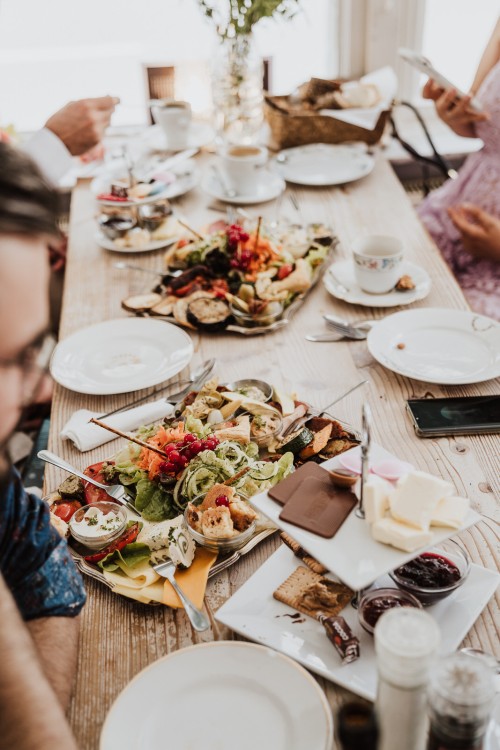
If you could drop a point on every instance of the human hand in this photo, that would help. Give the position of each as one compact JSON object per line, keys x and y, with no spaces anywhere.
{"x":455,"y":111}
{"x":480,"y":231}
{"x":80,"y":125}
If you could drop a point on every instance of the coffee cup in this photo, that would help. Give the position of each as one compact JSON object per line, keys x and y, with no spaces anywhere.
{"x":377,"y":263}
{"x":174,"y":118}
{"x":241,"y":165}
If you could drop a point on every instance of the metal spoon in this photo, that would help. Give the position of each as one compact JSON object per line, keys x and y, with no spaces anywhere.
{"x":132,"y":267}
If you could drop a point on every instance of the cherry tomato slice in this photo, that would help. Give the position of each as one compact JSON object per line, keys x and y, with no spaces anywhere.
{"x":95,"y":494}
{"x":64,"y":511}
{"x":129,"y":536}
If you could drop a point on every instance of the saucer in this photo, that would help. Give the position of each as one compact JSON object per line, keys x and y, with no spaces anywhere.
{"x":200,"y":134}
{"x":340,"y":282}
{"x":269,"y":188}
{"x":321,"y":164}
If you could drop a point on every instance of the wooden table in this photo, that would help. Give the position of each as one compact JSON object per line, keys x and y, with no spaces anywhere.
{"x":118,"y":637}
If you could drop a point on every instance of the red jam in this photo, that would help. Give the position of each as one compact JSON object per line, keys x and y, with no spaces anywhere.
{"x":429,"y":571}
{"x":375,"y":608}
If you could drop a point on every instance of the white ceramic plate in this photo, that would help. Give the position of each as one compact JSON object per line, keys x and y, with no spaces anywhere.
{"x":187,"y":173}
{"x":220,"y":696}
{"x":269,"y":188}
{"x":119,"y":356}
{"x":320,"y":164}
{"x":352,"y":554}
{"x":200,"y":134}
{"x":108,"y":244}
{"x":438,"y":345}
{"x":340,"y":283}
{"x":254,"y":613}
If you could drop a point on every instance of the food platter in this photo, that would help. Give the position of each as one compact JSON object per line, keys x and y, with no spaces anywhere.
{"x":228,"y":674}
{"x":246,"y":279}
{"x":219,"y":449}
{"x":184,"y":177}
{"x":254,"y":613}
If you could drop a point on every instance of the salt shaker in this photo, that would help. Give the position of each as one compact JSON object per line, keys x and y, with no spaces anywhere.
{"x":406,"y":642}
{"x":461,"y":694}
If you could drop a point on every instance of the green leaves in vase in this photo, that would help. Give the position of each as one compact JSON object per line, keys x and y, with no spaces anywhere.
{"x":234,"y":17}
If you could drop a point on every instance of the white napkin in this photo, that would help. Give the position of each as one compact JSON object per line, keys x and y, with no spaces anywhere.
{"x":386,"y":81}
{"x":87,"y":436}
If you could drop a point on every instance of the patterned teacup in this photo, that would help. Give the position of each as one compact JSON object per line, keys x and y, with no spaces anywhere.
{"x":377,"y":263}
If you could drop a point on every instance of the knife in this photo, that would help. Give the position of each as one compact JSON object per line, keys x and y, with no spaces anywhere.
{"x":167,"y":164}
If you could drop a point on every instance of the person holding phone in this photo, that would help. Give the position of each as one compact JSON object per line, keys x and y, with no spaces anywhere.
{"x":463,"y":216}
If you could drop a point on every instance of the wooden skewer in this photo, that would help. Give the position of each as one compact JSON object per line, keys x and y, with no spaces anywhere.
{"x":142,"y":443}
{"x":190,"y":229}
{"x":257,"y":234}
{"x":237,"y":476}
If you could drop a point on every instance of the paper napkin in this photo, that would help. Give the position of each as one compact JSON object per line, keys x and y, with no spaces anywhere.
{"x":87,"y":436}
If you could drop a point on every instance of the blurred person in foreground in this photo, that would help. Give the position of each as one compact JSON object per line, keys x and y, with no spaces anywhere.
{"x":75,"y":130}
{"x":463,"y":216}
{"x":41,"y":591}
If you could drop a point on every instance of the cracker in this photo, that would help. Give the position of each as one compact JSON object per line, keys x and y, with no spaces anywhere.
{"x":313,"y":594}
{"x":300,"y":552}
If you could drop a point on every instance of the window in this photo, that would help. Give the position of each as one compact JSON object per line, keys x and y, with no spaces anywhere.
{"x":57,"y":50}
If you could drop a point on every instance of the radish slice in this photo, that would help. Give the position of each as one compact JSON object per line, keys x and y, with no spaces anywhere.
{"x":391,"y":469}
{"x":351,"y":461}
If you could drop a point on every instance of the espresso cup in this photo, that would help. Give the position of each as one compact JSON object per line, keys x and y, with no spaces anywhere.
{"x":377,"y":263}
{"x":241,"y":165}
{"x":174,"y":119}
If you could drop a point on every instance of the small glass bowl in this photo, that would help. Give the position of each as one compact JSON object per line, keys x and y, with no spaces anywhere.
{"x":450,"y":551}
{"x":254,"y":321}
{"x":264,"y":440}
{"x":101,"y":541}
{"x":389,"y":598}
{"x":115,"y":226}
{"x":223,"y":546}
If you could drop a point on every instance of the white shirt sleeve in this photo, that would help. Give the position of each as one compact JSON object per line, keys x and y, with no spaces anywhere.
{"x":50,"y":153}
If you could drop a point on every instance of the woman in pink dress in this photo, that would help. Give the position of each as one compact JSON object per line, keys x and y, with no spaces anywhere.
{"x":463,"y":216}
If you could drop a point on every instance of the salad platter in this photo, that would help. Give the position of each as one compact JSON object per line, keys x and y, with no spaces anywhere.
{"x":187,"y":482}
{"x":246,"y":279}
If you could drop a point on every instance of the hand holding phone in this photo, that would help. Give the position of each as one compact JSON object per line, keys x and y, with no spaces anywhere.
{"x":467,"y":415}
{"x":425,"y":66}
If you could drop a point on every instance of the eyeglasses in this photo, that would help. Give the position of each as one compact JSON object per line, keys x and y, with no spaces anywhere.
{"x":33,"y":363}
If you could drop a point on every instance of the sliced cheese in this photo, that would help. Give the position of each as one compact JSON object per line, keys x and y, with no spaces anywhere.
{"x":135,"y":578}
{"x":400,"y":535}
{"x":376,"y":494}
{"x":416,"y":498}
{"x":451,"y":511}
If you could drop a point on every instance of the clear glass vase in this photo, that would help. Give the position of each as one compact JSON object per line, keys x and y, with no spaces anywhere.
{"x":237,"y":90}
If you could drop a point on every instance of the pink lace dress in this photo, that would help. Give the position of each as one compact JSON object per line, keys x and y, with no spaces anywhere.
{"x":478,"y":182}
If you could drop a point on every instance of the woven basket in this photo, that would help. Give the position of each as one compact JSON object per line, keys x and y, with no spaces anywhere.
{"x":290,"y":129}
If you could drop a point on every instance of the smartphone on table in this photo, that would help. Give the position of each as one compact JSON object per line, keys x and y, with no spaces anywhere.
{"x":467,"y":415}
{"x":424,"y":65}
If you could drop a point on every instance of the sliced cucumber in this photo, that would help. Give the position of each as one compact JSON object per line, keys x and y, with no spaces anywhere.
{"x":297,"y":442}
{"x":263,"y":470}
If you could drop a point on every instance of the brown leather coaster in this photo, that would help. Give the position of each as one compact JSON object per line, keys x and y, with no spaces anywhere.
{"x":283,"y":491}
{"x":318,"y":506}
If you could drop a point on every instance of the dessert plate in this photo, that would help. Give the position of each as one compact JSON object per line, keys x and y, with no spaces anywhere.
{"x":438,"y":345}
{"x":108,"y":244}
{"x":268,"y":189}
{"x":198,"y":697}
{"x":340,"y":283}
{"x":321,"y":164}
{"x":187,"y":177}
{"x":254,"y":613}
{"x":353,"y":554}
{"x":119,"y":356}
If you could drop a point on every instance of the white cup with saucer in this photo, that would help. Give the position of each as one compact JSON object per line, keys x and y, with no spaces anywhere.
{"x":377,"y":262}
{"x":174,"y":118}
{"x":241,"y":166}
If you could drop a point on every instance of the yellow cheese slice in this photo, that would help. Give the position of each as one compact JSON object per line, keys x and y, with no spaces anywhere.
{"x":134,"y":578}
{"x":192,"y":581}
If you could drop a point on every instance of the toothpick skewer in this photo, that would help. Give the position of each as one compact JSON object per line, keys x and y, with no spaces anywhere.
{"x":135,"y":440}
{"x":257,"y":234}
{"x":190,"y":229}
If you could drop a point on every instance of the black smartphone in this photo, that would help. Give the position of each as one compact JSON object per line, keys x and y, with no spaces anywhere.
{"x":467,"y":415}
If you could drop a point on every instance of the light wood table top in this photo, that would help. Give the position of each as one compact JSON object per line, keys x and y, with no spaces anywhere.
{"x":119,"y":637}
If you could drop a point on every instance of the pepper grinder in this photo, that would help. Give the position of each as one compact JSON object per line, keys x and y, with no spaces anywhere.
{"x":365,"y":455}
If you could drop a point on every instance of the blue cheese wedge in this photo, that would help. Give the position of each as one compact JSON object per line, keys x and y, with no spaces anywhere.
{"x":376,"y":495}
{"x":450,"y":511}
{"x":172,"y":538}
{"x":400,"y":535}
{"x":416,"y":498}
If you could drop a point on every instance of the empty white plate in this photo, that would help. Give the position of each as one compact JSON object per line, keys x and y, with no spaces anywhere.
{"x":220,"y":696}
{"x":438,"y":345}
{"x":119,"y":356}
{"x":320,"y":164}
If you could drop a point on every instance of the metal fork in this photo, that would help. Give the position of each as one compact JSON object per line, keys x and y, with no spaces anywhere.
{"x":317,"y":412}
{"x":197,"y":618}
{"x":116,"y":491}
